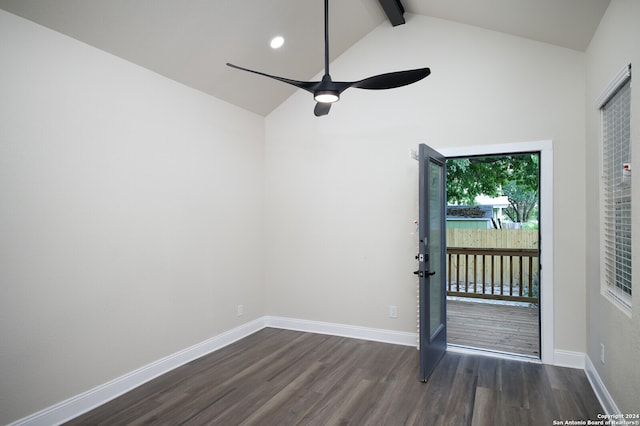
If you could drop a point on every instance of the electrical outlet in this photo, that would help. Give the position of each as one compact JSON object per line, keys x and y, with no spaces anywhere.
{"x":240,"y":310}
{"x":393,"y":311}
{"x":602,"y":353}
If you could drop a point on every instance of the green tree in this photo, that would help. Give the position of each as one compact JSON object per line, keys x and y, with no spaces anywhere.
{"x":515,"y":176}
{"x":469,"y":177}
{"x":522,"y":203}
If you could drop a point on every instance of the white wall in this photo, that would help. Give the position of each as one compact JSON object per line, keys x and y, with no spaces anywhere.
{"x":615,"y":44}
{"x":131,"y":217}
{"x":342,"y":190}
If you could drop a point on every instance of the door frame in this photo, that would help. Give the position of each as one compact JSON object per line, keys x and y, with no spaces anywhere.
{"x":545,"y":147}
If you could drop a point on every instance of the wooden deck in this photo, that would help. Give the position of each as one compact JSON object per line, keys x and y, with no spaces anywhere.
{"x":503,"y":328}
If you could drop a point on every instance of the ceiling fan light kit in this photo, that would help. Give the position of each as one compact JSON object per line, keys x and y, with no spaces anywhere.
{"x":326,"y":96}
{"x":327,"y":91}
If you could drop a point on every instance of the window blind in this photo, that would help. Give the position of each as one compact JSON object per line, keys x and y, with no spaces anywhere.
{"x":616,"y":134}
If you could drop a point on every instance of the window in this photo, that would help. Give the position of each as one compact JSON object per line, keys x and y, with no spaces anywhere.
{"x":615,"y":107}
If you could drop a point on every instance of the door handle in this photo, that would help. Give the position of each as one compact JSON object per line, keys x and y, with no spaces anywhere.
{"x":423,"y":273}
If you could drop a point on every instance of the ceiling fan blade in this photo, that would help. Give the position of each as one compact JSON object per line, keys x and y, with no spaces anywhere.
{"x":309,"y":86}
{"x":392,"y":79}
{"x":322,"y":108}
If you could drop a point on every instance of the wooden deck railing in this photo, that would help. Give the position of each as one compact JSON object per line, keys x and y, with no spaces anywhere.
{"x":493,"y":273}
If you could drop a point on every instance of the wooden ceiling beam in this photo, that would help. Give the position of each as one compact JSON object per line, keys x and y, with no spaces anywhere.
{"x":394,"y":11}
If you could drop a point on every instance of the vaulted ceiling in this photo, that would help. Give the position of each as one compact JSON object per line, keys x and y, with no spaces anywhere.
{"x":190,"y":41}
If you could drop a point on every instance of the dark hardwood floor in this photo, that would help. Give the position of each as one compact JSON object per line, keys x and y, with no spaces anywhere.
{"x":281,"y":377}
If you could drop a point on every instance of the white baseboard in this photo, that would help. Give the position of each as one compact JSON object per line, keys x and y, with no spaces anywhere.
{"x":353,"y":331}
{"x":569,"y":359}
{"x":86,"y":401}
{"x":608,"y":404}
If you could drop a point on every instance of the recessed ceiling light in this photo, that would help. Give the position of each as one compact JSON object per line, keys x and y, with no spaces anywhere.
{"x":277,"y":42}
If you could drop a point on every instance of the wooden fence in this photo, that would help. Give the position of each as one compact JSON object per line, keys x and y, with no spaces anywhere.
{"x":493,"y":238}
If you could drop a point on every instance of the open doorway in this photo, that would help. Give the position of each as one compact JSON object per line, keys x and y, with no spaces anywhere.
{"x":493,"y":253}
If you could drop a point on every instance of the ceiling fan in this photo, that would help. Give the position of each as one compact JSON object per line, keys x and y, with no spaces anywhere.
{"x":327,"y":91}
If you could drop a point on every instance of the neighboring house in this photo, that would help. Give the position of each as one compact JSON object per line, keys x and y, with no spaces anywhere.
{"x":471,"y":217}
{"x":498,"y":203}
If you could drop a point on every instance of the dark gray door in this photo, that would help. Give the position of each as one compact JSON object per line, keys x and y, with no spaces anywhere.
{"x":431,"y":259}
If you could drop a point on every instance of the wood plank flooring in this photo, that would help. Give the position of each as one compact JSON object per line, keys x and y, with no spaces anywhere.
{"x":503,"y":328}
{"x":282,"y":377}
